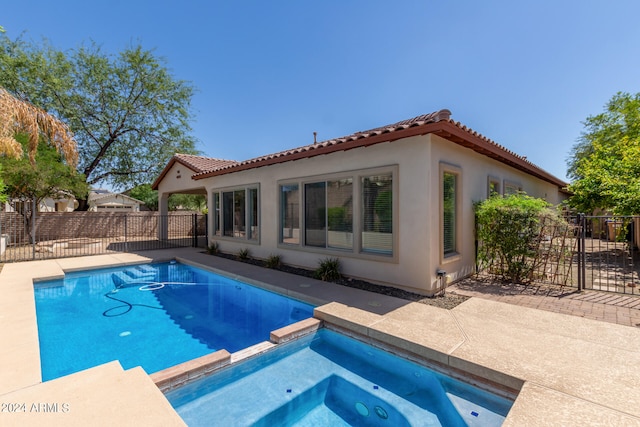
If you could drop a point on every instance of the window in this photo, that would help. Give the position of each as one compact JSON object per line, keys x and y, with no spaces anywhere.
{"x":315,"y":214}
{"x":252,"y":210}
{"x":349,"y":213}
{"x":328,"y":214}
{"x":377,"y":210}
{"x":290,"y":214}
{"x":511,"y":188}
{"x":493,"y":186}
{"x":449,"y":210}
{"x":216,"y":214}
{"x":236,"y":213}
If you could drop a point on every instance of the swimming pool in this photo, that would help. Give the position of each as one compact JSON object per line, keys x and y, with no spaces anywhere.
{"x":154,"y":316}
{"x":328,"y":379}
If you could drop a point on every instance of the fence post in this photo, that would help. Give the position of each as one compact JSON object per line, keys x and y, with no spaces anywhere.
{"x":33,"y":228}
{"x":194,"y":221}
{"x":582,"y":223}
{"x":579,"y":254}
{"x":206,"y":230}
{"x":126,"y":239}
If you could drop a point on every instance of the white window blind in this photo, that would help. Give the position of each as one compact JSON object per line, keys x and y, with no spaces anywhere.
{"x":377,"y":211}
{"x":449,"y":182}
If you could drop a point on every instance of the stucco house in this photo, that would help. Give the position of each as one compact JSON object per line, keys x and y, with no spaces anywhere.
{"x":106,"y":201}
{"x":394,"y":204}
{"x":65,"y":202}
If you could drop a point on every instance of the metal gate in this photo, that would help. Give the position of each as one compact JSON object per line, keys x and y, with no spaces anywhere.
{"x":607,"y":256}
{"x":29,"y":235}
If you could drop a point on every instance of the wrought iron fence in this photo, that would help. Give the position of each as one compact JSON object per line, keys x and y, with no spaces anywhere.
{"x":608,"y":256}
{"x":44,"y":235}
{"x":549,"y":257}
{"x":589,"y":252}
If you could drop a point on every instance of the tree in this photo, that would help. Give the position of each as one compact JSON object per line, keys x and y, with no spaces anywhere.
{"x":144,"y":193}
{"x":48,"y":177}
{"x":3,"y":190}
{"x":189,"y":202}
{"x":128,"y":113}
{"x":21,"y":118}
{"x":192,"y":202}
{"x":605,"y":164}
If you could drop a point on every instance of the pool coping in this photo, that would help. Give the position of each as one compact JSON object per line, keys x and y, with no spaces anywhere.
{"x":573,"y":371}
{"x":184,"y":373}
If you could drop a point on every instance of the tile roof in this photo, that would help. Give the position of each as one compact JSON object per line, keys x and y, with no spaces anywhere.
{"x":201,"y":163}
{"x":95,"y":196}
{"x":325,"y":147}
{"x":198,"y":164}
{"x":438,"y":123}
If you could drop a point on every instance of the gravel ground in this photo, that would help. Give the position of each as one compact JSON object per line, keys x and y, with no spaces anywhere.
{"x":447,"y":301}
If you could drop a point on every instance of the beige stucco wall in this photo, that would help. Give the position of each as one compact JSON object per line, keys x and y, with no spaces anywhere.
{"x":178,"y":179}
{"x":418,"y":207}
{"x":474,"y":170}
{"x":49,"y":205}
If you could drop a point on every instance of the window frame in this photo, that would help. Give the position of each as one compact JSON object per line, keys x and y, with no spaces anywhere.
{"x":356,"y":177}
{"x":456,"y":253}
{"x":251,"y":213}
{"x":495,"y":181}
{"x":511,"y":184}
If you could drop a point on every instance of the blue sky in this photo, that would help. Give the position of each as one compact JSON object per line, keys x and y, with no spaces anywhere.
{"x":270,"y":73}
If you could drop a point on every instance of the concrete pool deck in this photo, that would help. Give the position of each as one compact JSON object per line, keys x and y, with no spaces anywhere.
{"x":571,"y":370}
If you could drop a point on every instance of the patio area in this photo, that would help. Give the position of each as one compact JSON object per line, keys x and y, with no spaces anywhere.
{"x":570,"y":370}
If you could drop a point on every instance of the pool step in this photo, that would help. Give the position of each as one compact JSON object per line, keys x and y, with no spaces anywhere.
{"x":137,"y":273}
{"x":147,"y":269}
{"x":133,"y":276}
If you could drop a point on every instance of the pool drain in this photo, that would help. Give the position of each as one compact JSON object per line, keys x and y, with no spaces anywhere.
{"x":362,"y":409}
{"x":381,"y":412}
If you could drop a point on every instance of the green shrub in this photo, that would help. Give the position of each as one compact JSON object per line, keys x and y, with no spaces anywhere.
{"x":273,"y":261}
{"x":213,"y":248}
{"x":243,"y":254}
{"x":328,"y":270}
{"x":509,"y":231}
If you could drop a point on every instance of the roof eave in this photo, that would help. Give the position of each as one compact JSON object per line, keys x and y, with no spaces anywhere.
{"x":467,"y":138}
{"x":349,"y":144}
{"x":446,"y":129}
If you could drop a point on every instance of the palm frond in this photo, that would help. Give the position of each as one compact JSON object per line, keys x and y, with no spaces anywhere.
{"x":17,"y":116}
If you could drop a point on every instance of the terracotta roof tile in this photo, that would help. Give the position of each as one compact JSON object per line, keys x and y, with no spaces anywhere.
{"x":203,"y":164}
{"x":343,"y":142}
{"x":438,"y":123}
{"x":198,"y":164}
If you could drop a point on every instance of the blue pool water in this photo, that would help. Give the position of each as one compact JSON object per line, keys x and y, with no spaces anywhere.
{"x":154,"y":316}
{"x":328,"y":379}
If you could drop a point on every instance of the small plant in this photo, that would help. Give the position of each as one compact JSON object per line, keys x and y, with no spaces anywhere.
{"x":213,"y":248}
{"x":328,"y":270}
{"x":273,"y":261}
{"x":243,"y":254}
